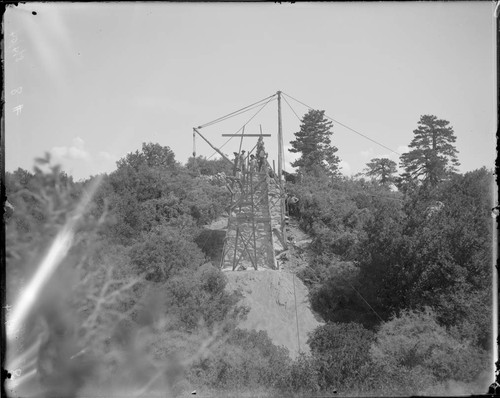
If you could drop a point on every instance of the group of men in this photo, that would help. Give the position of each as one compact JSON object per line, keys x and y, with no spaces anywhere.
{"x":255,"y":163}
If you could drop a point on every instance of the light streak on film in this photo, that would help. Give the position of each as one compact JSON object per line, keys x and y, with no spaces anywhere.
{"x":56,"y":253}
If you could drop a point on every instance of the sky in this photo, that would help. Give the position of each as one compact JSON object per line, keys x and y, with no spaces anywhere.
{"x":90,"y":82}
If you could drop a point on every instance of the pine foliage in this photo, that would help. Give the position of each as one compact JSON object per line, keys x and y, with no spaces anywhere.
{"x":382,"y":169}
{"x":314,"y":144}
{"x":433,"y":155}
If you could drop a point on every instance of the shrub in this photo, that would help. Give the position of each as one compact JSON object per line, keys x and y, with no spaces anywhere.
{"x":341,"y":350}
{"x":414,"y":340}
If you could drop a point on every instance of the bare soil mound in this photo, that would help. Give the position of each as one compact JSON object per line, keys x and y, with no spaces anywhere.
{"x":276,"y":306}
{"x":276,"y":299}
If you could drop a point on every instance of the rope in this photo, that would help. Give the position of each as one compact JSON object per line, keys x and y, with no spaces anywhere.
{"x":249,"y":120}
{"x":235,"y":113}
{"x":365,"y":301}
{"x":347,"y":127}
{"x":296,"y":313}
{"x":300,"y":120}
{"x":242,"y":127}
{"x":232,"y":115}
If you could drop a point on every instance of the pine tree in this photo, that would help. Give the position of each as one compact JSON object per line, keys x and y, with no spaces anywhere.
{"x":432,"y":156}
{"x":314,"y":145}
{"x":382,"y":169}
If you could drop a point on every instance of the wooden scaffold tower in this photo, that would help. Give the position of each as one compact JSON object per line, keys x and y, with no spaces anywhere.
{"x":249,"y":240}
{"x":256,"y":214}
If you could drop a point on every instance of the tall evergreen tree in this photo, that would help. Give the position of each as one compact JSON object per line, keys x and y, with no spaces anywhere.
{"x":382,"y":169}
{"x":433,"y":154}
{"x":314,"y":145}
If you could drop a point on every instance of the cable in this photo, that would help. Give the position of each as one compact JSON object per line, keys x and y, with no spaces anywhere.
{"x":296,"y":313}
{"x":248,"y":121}
{"x":242,"y":110}
{"x":232,"y":115}
{"x":347,"y":127}
{"x":300,"y":120}
{"x":210,"y":157}
{"x":365,"y":301}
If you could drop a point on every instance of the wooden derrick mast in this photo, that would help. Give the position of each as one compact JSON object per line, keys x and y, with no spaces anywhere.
{"x":256,"y":224}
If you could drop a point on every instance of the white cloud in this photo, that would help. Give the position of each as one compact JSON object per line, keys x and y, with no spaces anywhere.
{"x":78,"y":142}
{"x":76,"y":151}
{"x":59,"y":152}
{"x":403,"y":149}
{"x":371,"y":154}
{"x":368,"y":153}
{"x":107,"y":156}
{"x":389,"y":155}
{"x":394,"y":156}
{"x":345,"y":167}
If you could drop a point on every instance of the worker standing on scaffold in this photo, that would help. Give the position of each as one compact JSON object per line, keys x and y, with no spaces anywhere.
{"x":236,"y":164}
{"x":237,"y":169}
{"x":262,"y":155}
{"x":260,"y":145}
{"x":243,"y":166}
{"x":252,"y":163}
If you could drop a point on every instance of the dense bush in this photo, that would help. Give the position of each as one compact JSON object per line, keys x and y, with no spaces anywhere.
{"x":208,"y":167}
{"x":416,"y":340}
{"x":162,"y":254}
{"x":404,"y":254}
{"x":246,"y":360}
{"x":198,"y":298}
{"x":340,"y":351}
{"x":379,"y":256}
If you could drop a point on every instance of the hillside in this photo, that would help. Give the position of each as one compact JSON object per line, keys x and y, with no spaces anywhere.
{"x":271,"y":299}
{"x":135,"y":307}
{"x":270,"y":294}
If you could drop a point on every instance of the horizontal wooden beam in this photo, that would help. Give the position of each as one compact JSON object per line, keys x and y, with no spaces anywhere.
{"x":246,"y":135}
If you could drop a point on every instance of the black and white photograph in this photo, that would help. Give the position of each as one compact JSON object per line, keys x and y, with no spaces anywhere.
{"x":249,"y":199}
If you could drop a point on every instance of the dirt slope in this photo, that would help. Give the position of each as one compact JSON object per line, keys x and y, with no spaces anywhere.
{"x":270,"y":296}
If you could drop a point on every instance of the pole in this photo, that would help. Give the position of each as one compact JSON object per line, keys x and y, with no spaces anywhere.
{"x":194,"y":144}
{"x":214,"y":148}
{"x":280,"y":138}
{"x":280,"y":162}
{"x":241,"y":141}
